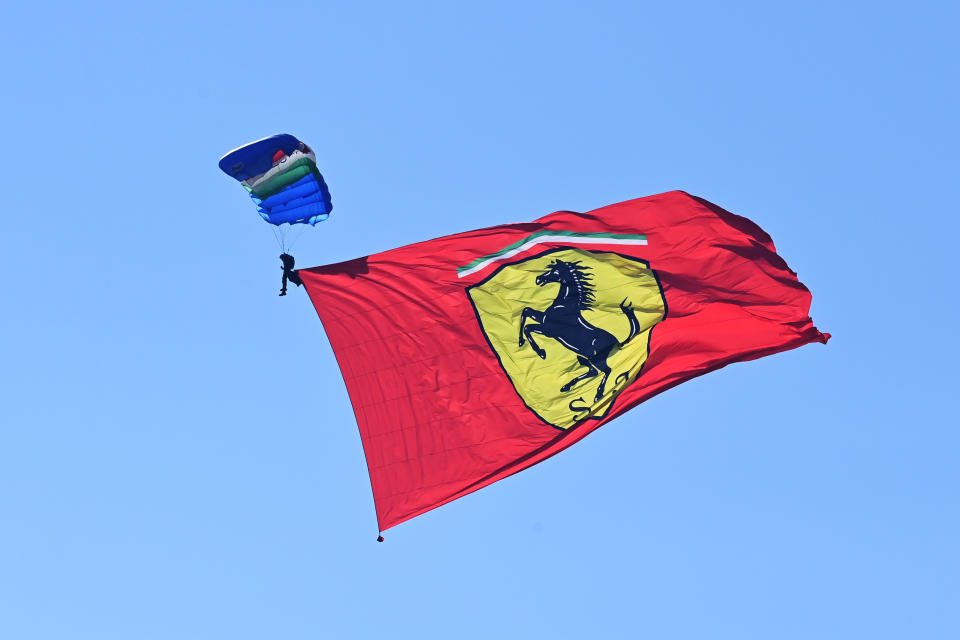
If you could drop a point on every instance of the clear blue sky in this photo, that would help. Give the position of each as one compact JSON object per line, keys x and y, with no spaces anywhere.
{"x":178,"y":457}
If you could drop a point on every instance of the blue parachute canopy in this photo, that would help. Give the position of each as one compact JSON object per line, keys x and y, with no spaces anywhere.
{"x":280,"y":174}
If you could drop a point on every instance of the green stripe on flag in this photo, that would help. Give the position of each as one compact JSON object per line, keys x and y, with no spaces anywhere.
{"x":533,"y":239}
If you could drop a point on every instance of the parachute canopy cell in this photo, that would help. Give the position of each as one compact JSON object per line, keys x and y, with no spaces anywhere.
{"x":280,"y":174}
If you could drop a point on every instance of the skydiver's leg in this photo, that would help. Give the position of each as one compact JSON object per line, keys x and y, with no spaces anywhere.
{"x":283,"y":288}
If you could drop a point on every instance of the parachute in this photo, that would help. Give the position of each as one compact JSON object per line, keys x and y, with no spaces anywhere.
{"x":280,"y":174}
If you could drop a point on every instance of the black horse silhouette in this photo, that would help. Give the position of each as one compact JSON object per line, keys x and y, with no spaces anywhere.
{"x":563,"y":321}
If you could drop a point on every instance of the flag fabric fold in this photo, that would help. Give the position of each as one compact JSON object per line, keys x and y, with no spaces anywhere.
{"x":471,"y":357}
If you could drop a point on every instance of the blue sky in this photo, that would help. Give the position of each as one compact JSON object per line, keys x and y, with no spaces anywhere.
{"x":178,"y":457}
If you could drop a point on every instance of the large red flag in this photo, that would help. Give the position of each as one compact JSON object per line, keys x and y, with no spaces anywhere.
{"x":470,"y":357}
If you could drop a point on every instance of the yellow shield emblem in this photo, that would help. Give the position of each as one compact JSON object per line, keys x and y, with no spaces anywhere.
{"x":571,"y":328}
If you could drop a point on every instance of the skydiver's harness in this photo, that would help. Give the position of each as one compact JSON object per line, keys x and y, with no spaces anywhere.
{"x":289,"y":273}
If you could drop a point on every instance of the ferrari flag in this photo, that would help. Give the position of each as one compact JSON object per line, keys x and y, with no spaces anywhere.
{"x":470,"y":357}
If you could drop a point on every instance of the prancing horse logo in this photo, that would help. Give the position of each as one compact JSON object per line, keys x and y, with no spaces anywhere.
{"x":564,"y":322}
{"x":571,"y":328}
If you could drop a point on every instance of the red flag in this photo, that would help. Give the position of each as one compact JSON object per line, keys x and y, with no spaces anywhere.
{"x":470,"y":357}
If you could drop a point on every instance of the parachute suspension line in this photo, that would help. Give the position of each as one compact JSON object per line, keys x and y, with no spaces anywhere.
{"x":276,"y":237}
{"x":297,"y":237}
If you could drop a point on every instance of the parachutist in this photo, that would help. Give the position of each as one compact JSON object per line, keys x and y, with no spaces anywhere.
{"x":288,"y":272}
